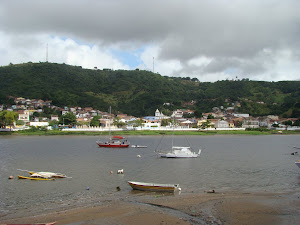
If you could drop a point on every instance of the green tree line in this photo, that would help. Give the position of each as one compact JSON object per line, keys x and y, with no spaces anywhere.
{"x":140,"y":93}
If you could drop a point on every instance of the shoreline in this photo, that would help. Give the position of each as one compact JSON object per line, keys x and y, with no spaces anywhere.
{"x":188,"y":208}
{"x":147,"y":133}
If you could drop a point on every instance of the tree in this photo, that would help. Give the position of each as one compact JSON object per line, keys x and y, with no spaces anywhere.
{"x":210,"y":116}
{"x":297,"y":123}
{"x":7,"y":118}
{"x":2,"y":120}
{"x":288,"y":123}
{"x":68,"y":119}
{"x":198,"y":114}
{"x":53,"y":123}
{"x":205,"y":125}
{"x":239,"y":123}
{"x":136,"y":123}
{"x":117,"y":122}
{"x":95,"y":121}
{"x":165,"y":122}
{"x":20,"y":122}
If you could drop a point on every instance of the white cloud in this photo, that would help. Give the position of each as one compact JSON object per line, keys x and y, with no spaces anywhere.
{"x":25,"y":48}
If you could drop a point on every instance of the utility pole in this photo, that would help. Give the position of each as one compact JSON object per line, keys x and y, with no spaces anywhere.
{"x":47,"y":53}
{"x":153,"y":64}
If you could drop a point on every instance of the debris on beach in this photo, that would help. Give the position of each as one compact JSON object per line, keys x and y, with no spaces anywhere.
{"x":121,"y":171}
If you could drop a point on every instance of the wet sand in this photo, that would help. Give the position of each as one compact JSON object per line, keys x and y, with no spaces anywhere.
{"x":195,"y":208}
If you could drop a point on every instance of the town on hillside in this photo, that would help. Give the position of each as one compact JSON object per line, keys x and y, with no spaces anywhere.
{"x":26,"y":113}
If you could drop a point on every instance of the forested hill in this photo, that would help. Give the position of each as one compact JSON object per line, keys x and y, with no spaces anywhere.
{"x":140,"y":92}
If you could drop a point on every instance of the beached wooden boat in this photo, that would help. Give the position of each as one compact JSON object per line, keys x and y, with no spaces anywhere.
{"x":142,"y":186}
{"x":45,"y":174}
{"x":48,"y":174}
{"x":34,"y":178}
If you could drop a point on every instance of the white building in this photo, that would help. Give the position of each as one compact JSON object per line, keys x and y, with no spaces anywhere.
{"x":160,"y":116}
{"x":24,"y":116}
{"x":241,"y":115}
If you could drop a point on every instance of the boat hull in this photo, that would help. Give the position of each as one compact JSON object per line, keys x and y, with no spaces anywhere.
{"x":181,"y":152}
{"x":48,"y":174}
{"x":298,"y":164}
{"x":177,"y":156}
{"x":33,"y":178}
{"x":153,"y":187}
{"x":112,"y":145}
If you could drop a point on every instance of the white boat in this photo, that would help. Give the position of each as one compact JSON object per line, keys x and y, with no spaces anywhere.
{"x":138,"y":146}
{"x":180,"y":152}
{"x":298,"y":163}
{"x":142,"y":186}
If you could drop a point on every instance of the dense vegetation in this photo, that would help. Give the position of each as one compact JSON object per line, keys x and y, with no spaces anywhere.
{"x":140,"y":93}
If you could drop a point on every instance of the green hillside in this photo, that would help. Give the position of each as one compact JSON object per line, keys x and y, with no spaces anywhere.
{"x":140,"y":93}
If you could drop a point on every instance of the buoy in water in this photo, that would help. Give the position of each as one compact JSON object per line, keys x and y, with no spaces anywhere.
{"x":88,"y":188}
{"x":111,"y":172}
{"x":118,"y":188}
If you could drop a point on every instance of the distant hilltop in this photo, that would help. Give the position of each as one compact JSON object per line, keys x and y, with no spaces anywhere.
{"x":140,"y":93}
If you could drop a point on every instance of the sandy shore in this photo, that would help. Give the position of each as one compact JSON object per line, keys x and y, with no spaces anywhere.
{"x":201,"y":208}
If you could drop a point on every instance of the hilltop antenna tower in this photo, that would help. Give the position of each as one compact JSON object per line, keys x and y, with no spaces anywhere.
{"x":47,"y":53}
{"x":153,"y":64}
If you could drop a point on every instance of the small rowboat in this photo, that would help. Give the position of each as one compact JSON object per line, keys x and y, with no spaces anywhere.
{"x":138,"y":146}
{"x":154,"y":187}
{"x":35,"y":178}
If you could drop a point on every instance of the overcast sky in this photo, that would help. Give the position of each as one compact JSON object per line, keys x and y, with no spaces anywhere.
{"x":207,"y":39}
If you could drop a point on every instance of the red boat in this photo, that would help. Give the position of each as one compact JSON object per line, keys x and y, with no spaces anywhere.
{"x":114,"y":142}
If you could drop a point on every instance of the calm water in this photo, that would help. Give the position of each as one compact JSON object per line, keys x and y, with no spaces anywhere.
{"x":227,"y":163}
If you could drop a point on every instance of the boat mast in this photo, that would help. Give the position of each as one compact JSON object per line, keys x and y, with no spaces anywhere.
{"x":173,"y":133}
{"x":109,"y":131}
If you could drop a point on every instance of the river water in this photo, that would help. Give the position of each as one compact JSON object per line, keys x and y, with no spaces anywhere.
{"x":227,"y":163}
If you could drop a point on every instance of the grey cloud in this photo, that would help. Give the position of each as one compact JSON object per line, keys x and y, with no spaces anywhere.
{"x":232,"y":33}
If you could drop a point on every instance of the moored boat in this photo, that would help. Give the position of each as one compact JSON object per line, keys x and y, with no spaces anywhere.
{"x":180,"y":152}
{"x":142,"y":186}
{"x":138,"y":146}
{"x":114,"y":142}
{"x":298,"y":163}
